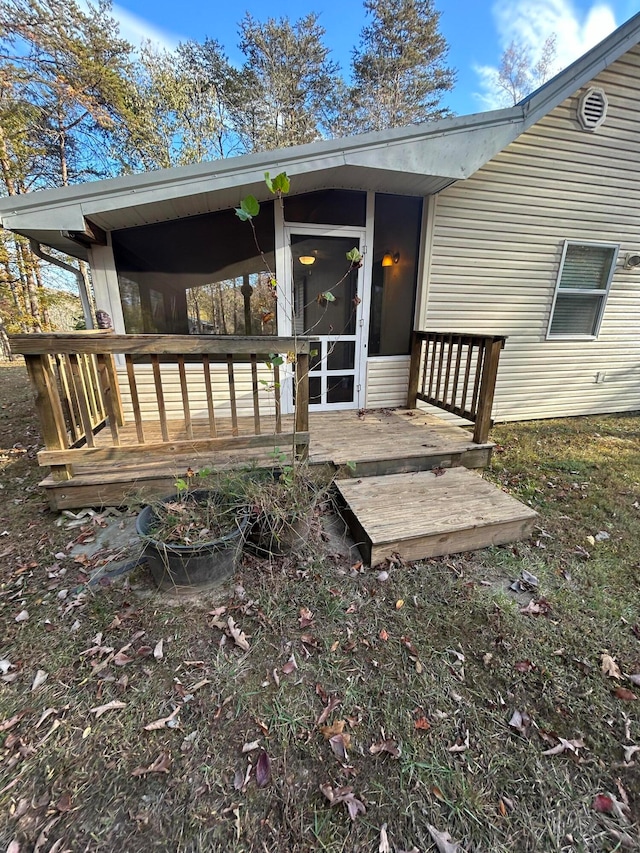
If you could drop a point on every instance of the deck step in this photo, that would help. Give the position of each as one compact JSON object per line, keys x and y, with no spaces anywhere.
{"x":421,"y":515}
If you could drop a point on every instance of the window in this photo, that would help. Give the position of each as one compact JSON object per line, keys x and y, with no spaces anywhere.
{"x":584,"y":279}
{"x":198,"y":275}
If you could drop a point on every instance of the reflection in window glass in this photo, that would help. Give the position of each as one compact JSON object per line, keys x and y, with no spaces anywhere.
{"x":198,"y":275}
{"x":393,"y":288}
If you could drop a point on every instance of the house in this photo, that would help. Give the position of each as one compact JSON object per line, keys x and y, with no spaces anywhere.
{"x":520,"y":223}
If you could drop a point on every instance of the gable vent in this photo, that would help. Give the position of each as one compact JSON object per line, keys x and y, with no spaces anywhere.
{"x":592,"y":110}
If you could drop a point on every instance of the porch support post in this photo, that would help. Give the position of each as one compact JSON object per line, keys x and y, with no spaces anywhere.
{"x":49,"y":408}
{"x":414,"y":370}
{"x":302,"y":401}
{"x":492,"y":349}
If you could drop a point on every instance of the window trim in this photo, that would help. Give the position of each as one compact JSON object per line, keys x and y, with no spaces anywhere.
{"x":602,"y":293}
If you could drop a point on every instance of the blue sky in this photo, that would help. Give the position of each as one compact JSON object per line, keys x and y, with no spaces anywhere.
{"x":477,"y":30}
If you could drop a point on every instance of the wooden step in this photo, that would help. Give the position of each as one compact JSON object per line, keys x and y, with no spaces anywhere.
{"x":421,"y":515}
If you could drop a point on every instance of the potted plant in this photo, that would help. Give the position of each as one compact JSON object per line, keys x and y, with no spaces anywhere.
{"x":281,"y":504}
{"x":193,"y":538}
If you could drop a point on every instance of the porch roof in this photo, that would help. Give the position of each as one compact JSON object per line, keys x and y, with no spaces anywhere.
{"x":418,"y":160}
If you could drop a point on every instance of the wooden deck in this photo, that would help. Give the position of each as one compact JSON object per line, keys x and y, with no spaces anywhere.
{"x":423,"y":515}
{"x":378,"y":442}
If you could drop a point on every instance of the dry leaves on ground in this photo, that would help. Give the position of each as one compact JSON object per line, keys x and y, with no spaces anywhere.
{"x":344,"y":795}
{"x":443,"y":841}
{"x":114,"y":705}
{"x":610,"y":667}
{"x":239,"y":637}
{"x":564,"y":745}
{"x":162,"y":764}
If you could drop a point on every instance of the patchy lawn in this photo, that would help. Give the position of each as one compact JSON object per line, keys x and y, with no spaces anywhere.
{"x":438,"y":696}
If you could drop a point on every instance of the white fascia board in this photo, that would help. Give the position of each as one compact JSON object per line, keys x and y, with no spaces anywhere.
{"x":575,"y":76}
{"x":399,"y":149}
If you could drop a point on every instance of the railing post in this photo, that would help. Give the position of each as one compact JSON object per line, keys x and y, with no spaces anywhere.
{"x":302,"y":401}
{"x":490,"y":362}
{"x":414,"y":370}
{"x":49,"y":408}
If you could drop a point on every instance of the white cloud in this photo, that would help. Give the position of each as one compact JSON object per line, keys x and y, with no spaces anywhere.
{"x":530,"y":22}
{"x":136,"y":30}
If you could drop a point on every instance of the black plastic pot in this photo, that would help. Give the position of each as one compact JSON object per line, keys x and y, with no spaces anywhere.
{"x":182,"y":567}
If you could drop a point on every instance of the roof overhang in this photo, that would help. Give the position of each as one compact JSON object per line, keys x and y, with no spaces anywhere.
{"x":419,"y":160}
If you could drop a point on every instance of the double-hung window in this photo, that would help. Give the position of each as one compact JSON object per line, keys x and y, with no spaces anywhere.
{"x":584,"y":279}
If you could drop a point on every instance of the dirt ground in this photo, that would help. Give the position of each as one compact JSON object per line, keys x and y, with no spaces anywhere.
{"x":314,"y":704}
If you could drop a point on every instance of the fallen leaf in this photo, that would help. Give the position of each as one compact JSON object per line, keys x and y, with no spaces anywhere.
{"x":565,"y":745}
{"x":250,"y":747}
{"x":389,"y":745}
{"x":64,"y":803}
{"x":541,"y":607}
{"x":383,"y":635}
{"x":332,"y":704}
{"x":239,"y":636}
{"x":624,"y":694}
{"x":629,"y":752}
{"x":163,"y":721}
{"x":521,"y":722}
{"x":603,"y":803}
{"x":121,"y":659}
{"x":524,"y":666}
{"x":634,"y":679}
{"x":461,"y":744}
{"x":610,"y":667}
{"x":158,"y":651}
{"x":290,"y":666}
{"x":339,"y":744}
{"x":306,"y":617}
{"x":12,"y":721}
{"x":114,"y":705}
{"x":14,"y":847}
{"x":22,"y":616}
{"x":399,"y":603}
{"x":384,"y":846}
{"x":263,"y":770}
{"x":5,"y":666}
{"x":39,"y":680}
{"x":162,"y":764}
{"x":422,"y":724}
{"x":334,"y":729}
{"x":443,"y":841}
{"x":344,"y":795}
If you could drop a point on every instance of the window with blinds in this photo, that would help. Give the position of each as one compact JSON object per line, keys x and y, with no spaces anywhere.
{"x":584,"y":279}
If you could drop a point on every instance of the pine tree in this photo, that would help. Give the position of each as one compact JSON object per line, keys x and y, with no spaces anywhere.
{"x":398,"y":71}
{"x":288,"y":82}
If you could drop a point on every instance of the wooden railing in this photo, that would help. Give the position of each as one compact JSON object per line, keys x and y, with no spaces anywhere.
{"x":457,"y":373}
{"x":79,"y":393}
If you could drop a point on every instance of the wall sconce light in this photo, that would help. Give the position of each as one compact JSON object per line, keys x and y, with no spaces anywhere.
{"x":307,"y":260}
{"x":388,"y":260}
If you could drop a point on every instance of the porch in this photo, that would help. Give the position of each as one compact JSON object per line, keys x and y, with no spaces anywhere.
{"x":123,"y":416}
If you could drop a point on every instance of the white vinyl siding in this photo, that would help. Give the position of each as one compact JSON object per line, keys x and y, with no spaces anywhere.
{"x":584,"y":278}
{"x":197,"y":391}
{"x":497,"y":246}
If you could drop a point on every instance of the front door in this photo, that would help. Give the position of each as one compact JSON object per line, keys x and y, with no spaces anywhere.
{"x":328,"y":305}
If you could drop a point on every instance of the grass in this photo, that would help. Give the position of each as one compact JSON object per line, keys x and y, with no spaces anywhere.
{"x":458,"y":653}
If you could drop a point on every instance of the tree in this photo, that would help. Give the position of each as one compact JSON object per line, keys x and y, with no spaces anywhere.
{"x":518,"y":75}
{"x":180,"y":109}
{"x":63,"y":75}
{"x":287,"y":83}
{"x":399,"y":72}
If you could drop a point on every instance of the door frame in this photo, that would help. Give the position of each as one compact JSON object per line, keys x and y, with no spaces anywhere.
{"x":362,"y":310}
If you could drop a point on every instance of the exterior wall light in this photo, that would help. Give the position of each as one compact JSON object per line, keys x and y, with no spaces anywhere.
{"x":388,"y":260}
{"x":307,"y":260}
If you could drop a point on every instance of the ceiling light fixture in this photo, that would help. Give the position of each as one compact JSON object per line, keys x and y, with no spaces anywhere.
{"x":307,"y":260}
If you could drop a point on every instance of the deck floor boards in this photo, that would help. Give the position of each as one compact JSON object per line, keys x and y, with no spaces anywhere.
{"x":377,"y":441}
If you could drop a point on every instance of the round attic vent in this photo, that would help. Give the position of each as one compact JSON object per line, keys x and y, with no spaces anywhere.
{"x":592,"y":110}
